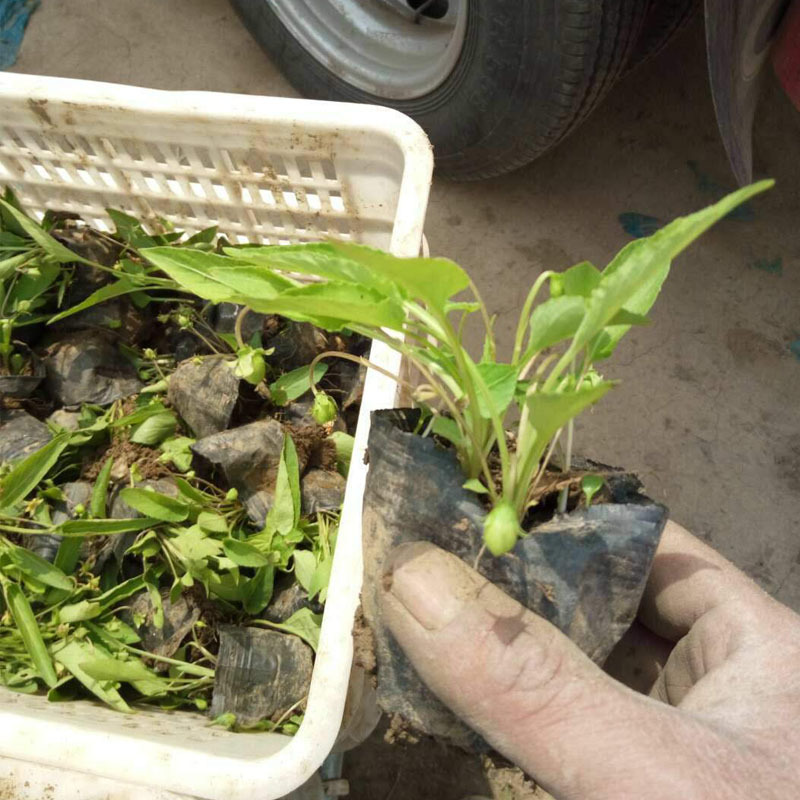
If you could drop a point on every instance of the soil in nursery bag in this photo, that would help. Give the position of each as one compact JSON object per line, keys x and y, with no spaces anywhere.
{"x":584,"y":571}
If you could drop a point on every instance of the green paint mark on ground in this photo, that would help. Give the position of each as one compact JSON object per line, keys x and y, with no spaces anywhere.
{"x":772,"y":265}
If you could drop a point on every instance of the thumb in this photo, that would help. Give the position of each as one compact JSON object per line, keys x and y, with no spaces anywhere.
{"x":530,"y":692}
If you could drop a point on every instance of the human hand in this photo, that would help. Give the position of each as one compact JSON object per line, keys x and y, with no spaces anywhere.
{"x":720,"y":658}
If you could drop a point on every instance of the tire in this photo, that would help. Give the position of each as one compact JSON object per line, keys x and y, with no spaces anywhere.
{"x":664,"y":19}
{"x":528,"y":73}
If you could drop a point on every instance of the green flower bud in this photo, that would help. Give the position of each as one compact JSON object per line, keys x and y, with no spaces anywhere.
{"x":17,"y":363}
{"x":250,"y":366}
{"x":231,"y":495}
{"x":501,"y":528}
{"x":324,"y":408}
{"x":23,"y":306}
{"x":79,"y":509}
{"x":149,"y":353}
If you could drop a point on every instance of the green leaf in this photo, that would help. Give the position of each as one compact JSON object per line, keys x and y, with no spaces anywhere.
{"x":634,"y":277}
{"x":155,"y":429}
{"x":140,"y":415}
{"x":28,"y":628}
{"x":129,"y":229}
{"x":258,"y":590}
{"x":123,"y":590}
{"x":434,"y":280}
{"x":121,"y":287}
{"x":211,"y":522}
{"x":190,"y":493}
{"x":78,"y":612}
{"x":474,"y":485}
{"x":553,"y":321}
{"x":68,"y":554}
{"x":156,"y":505}
{"x":590,"y":486}
{"x":549,"y":411}
{"x":334,"y":305}
{"x":97,"y":505}
{"x":244,"y":554}
{"x":292,"y":385}
{"x":33,"y":282}
{"x":305,"y":563}
{"x":106,"y":527}
{"x":147,"y":546}
{"x":37,"y":568}
{"x":177,"y":450}
{"x":448,"y":429}
{"x":579,"y":280}
{"x":228,"y":586}
{"x":89,"y":609}
{"x":303,"y":623}
{"x":8,"y":223}
{"x":320,"y":579}
{"x":137,"y":674}
{"x":284,"y":514}
{"x":205,"y":236}
{"x":72,"y":655}
{"x":625,"y":317}
{"x":216,"y":278}
{"x":196,"y":546}
{"x":501,"y":382}
{"x":320,"y":259}
{"x":32,"y":229}
{"x":26,"y":475}
{"x":115,"y":632}
{"x":344,"y":443}
{"x":9,"y":265}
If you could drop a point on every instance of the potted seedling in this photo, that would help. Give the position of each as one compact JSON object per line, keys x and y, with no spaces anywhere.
{"x":170,"y":494}
{"x":571,"y":539}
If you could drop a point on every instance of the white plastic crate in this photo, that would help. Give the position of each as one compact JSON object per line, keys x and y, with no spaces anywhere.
{"x":263,"y":169}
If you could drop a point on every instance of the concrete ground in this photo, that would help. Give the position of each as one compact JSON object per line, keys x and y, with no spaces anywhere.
{"x":707,"y":412}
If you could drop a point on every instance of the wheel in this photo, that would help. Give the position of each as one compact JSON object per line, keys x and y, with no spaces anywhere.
{"x":494,"y":83}
{"x":664,"y":19}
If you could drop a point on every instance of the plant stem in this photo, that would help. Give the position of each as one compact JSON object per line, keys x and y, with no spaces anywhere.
{"x":542,"y":467}
{"x":526,"y":312}
{"x":487,"y":322}
{"x":237,"y":327}
{"x":356,"y":359}
{"x":562,"y":498}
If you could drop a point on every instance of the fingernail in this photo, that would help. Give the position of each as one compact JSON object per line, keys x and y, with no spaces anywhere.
{"x":428,"y":582}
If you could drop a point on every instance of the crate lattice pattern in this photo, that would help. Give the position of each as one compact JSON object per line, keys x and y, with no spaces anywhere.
{"x":252,"y":196}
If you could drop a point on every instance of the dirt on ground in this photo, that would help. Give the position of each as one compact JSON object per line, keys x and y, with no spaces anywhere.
{"x":425,"y":769}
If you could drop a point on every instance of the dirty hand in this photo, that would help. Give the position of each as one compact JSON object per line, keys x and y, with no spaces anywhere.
{"x":720,"y":658}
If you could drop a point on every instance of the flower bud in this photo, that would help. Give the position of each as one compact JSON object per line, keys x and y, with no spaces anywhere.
{"x":501,"y":528}
{"x":324,"y":408}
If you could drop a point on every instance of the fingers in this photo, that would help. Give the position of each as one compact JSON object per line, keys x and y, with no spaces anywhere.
{"x":689,"y":579}
{"x":525,"y":687}
{"x":638,"y":658}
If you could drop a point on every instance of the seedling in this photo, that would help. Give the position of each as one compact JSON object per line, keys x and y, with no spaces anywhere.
{"x":550,"y":373}
{"x":71,"y":623}
{"x":590,"y":486}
